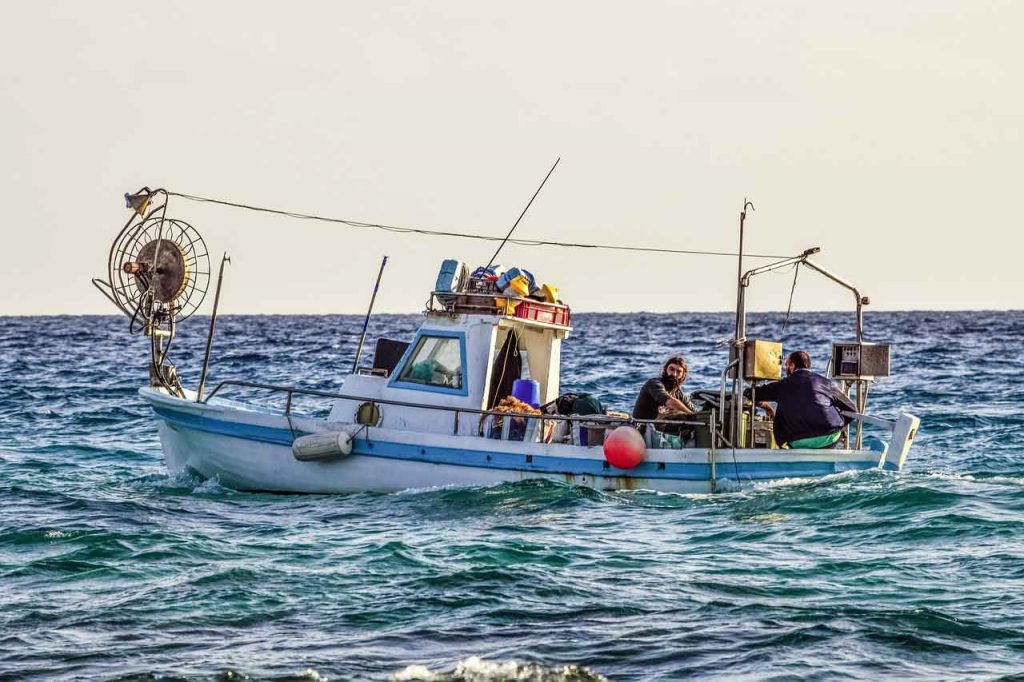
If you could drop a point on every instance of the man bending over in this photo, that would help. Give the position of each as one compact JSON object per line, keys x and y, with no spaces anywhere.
{"x":808,"y":405}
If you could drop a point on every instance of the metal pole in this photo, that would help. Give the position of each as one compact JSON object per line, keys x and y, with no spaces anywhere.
{"x":753,"y":412}
{"x":213,"y":323}
{"x":862,"y":403}
{"x":741,"y":331}
{"x":366,"y":322}
{"x":740,"y":321}
{"x":861,"y":300}
{"x":712,"y":454}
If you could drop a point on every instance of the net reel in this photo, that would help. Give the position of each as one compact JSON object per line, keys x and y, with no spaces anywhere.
{"x":158,"y":274}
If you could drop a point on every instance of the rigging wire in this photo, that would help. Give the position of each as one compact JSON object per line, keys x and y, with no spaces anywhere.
{"x":463,"y":235}
{"x":789,"y":308}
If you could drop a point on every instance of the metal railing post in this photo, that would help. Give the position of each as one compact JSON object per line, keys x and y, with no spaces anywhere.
{"x":712,"y":453}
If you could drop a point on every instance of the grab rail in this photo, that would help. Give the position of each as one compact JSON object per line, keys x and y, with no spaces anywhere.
{"x":289,"y":391}
{"x":868,"y":419}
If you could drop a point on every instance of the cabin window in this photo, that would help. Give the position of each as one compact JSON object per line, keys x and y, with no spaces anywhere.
{"x":435,"y":361}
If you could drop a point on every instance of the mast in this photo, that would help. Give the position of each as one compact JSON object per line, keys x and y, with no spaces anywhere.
{"x":738,"y":343}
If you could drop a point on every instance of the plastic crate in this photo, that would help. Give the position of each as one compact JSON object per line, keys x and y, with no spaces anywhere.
{"x":543,"y":312}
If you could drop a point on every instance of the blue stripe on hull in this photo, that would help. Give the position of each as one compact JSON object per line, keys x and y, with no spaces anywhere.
{"x":541,"y":464}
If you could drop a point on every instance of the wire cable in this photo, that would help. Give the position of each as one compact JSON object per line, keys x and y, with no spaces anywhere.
{"x":789,"y":308}
{"x":461,"y":235}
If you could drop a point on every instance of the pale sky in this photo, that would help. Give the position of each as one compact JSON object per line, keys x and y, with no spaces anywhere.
{"x":887,"y":133}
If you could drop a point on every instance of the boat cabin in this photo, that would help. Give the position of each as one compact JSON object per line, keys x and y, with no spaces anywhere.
{"x":466,"y":354}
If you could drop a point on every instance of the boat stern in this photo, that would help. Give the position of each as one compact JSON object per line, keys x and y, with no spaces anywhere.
{"x":903,"y":433}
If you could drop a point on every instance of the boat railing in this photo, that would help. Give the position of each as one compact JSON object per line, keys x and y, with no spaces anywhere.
{"x":291,"y":391}
{"x":887,"y":424}
{"x":902,"y":430}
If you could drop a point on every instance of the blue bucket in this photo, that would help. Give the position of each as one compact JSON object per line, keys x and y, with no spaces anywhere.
{"x":527,"y":390}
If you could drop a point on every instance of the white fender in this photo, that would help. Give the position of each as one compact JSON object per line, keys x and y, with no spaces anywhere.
{"x":323,"y":445}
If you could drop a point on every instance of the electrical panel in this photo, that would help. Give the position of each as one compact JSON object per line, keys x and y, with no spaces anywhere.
{"x":860,"y":360}
{"x":762,"y":360}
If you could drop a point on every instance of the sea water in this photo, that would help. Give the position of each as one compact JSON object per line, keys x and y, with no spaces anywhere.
{"x":111,"y":569}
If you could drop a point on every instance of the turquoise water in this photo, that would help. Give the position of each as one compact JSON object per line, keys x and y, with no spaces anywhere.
{"x":111,"y":569}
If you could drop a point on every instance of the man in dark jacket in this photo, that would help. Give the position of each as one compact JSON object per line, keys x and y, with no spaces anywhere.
{"x":807,"y":415}
{"x":664,"y":391}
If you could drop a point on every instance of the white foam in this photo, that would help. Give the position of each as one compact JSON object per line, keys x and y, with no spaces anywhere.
{"x":1013,"y":480}
{"x":476,"y":669}
{"x":433,"y":489}
{"x":811,"y":481}
{"x":952,"y":476}
{"x":210,"y":485}
{"x":414,"y":672}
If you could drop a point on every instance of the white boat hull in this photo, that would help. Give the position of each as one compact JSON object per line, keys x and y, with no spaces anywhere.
{"x":247,"y":449}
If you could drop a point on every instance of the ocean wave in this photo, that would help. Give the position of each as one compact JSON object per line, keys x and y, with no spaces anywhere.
{"x":110,"y":565}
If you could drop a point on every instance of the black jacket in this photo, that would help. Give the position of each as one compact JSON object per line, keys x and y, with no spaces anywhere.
{"x":808,"y":406}
{"x":653,"y":395}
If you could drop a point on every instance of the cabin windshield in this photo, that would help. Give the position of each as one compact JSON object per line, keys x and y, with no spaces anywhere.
{"x":436,"y":361}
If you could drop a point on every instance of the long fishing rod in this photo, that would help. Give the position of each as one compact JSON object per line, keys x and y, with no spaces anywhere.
{"x":530,"y":203}
{"x":366,"y":322}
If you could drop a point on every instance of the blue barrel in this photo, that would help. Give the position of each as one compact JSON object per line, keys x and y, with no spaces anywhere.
{"x":527,"y":390}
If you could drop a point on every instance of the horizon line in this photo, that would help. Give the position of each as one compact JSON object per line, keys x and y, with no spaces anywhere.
{"x":574,"y":312}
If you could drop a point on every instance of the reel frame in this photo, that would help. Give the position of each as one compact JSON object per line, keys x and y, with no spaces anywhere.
{"x":158,"y":271}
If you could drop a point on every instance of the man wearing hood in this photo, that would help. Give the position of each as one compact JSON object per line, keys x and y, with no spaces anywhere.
{"x":664,"y":392}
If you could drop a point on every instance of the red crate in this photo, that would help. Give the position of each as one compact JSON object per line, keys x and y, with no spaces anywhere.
{"x":543,"y":312}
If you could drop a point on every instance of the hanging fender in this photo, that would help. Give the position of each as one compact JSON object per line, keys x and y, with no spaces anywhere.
{"x":324,"y":445}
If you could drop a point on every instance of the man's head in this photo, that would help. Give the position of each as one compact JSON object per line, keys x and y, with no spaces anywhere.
{"x":797,"y":360}
{"x":674,"y":372}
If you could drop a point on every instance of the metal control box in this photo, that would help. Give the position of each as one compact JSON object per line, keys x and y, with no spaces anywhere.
{"x":762,"y":360}
{"x":860,"y":360}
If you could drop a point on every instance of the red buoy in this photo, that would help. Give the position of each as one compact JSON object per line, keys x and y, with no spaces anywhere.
{"x":624,"y":447}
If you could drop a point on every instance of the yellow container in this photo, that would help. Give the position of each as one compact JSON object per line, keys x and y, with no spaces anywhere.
{"x":506,"y":306}
{"x":550,"y":293}
{"x":520,"y":286}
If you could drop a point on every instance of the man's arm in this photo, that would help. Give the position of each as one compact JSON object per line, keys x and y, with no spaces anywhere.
{"x":663,"y":398}
{"x":841,"y":401}
{"x":768,"y":392}
{"x":678,"y":405}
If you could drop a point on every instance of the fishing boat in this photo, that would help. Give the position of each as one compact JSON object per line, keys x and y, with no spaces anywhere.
{"x":456,"y":405}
